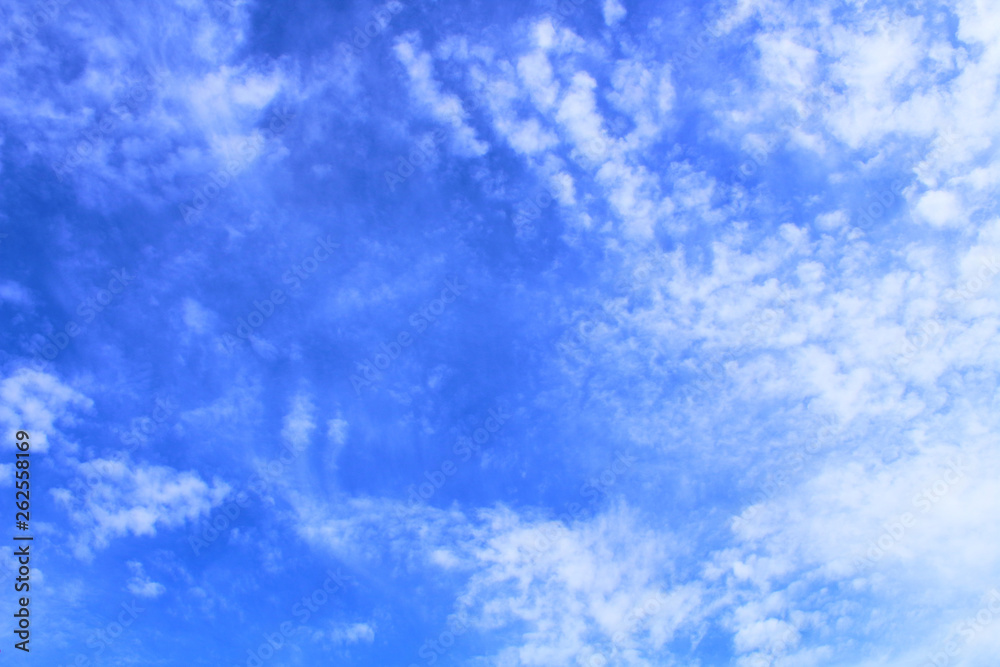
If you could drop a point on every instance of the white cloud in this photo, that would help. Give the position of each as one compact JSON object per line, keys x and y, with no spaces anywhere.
{"x":425,"y":89}
{"x":228,"y":95}
{"x":940,"y":208}
{"x":129,"y":128}
{"x":770,"y":634}
{"x":336,"y":431}
{"x":353,"y":633}
{"x":38,"y":402}
{"x":785,"y":62}
{"x":122,"y":498}
{"x":528,"y":137}
{"x":570,"y":593}
{"x":299,"y":423}
{"x":614,"y":11}
{"x":140,"y":584}
{"x":196,"y":317}
{"x":535,"y":71}
{"x":566,"y":592}
{"x":833,"y":219}
{"x":235,"y":412}
{"x":644,"y":95}
{"x":14,"y":293}
{"x":578,"y":114}
{"x":908,"y":533}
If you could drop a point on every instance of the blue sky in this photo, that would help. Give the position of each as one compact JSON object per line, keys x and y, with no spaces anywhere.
{"x":598,"y":333}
